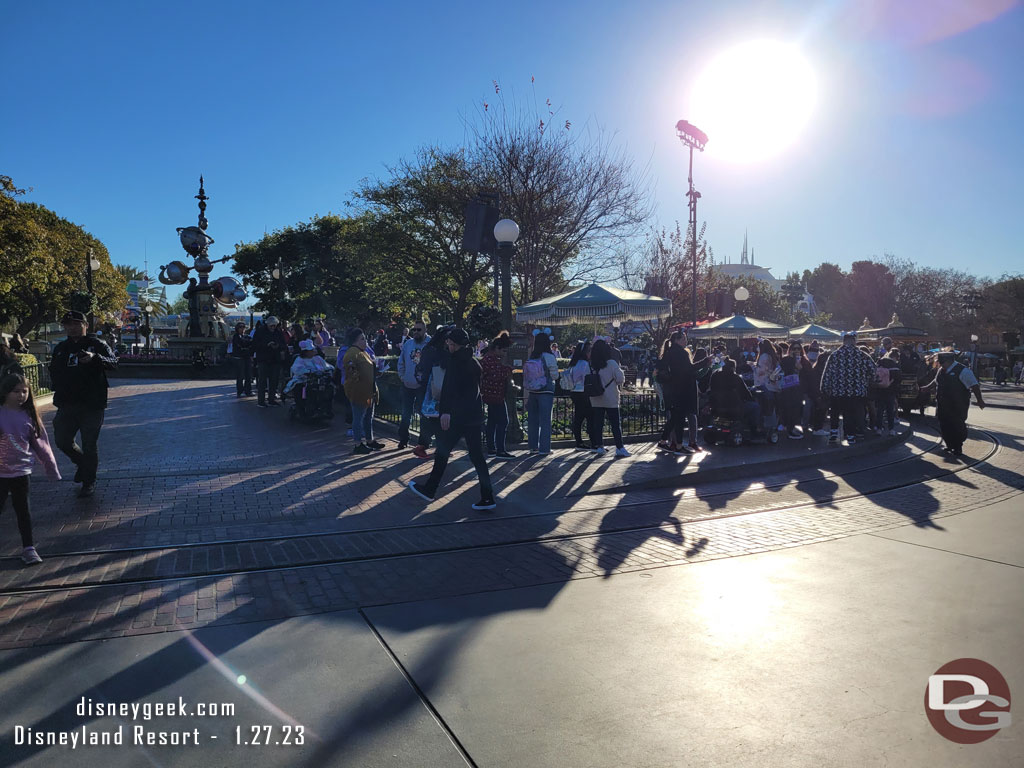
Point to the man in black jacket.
(461, 415)
(271, 348)
(78, 372)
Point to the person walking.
(460, 410)
(240, 350)
(845, 380)
(78, 370)
(887, 390)
(270, 346)
(495, 379)
(430, 370)
(22, 437)
(539, 374)
(413, 388)
(361, 389)
(609, 379)
(574, 377)
(954, 382)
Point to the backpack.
(535, 375)
(882, 380)
(493, 382)
(592, 386)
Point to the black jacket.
(241, 345)
(460, 393)
(728, 392)
(261, 344)
(77, 382)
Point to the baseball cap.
(73, 316)
(306, 345)
(459, 336)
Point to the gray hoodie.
(407, 361)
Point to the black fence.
(641, 412)
(38, 377)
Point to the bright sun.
(753, 100)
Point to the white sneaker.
(29, 556)
(622, 453)
(601, 451)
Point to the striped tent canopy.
(595, 303)
(738, 327)
(812, 331)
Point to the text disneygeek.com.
(94, 735)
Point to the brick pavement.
(585, 538)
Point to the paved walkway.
(164, 558)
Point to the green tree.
(179, 306)
(868, 291)
(43, 262)
(332, 266)
(418, 217)
(763, 303)
(825, 283)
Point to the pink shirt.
(18, 443)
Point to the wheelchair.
(313, 398)
(727, 425)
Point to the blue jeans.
(538, 420)
(362, 422)
(412, 400)
(497, 426)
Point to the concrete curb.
(822, 460)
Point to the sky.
(912, 147)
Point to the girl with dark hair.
(22, 435)
(611, 378)
(539, 375)
(768, 381)
(582, 411)
(495, 377)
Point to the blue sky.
(113, 109)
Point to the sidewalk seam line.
(424, 700)
(947, 551)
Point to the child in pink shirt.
(22, 437)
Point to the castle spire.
(743, 255)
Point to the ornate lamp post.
(694, 138)
(91, 263)
(740, 294)
(225, 290)
(506, 232)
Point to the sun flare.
(753, 100)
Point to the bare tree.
(575, 196)
(663, 267)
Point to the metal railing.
(38, 377)
(641, 414)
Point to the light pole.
(740, 294)
(616, 324)
(974, 354)
(91, 263)
(972, 303)
(506, 232)
(694, 138)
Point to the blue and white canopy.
(592, 304)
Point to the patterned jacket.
(848, 373)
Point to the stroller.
(724, 422)
(314, 398)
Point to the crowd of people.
(462, 392)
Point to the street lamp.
(91, 263)
(616, 324)
(741, 294)
(974, 356)
(694, 138)
(506, 232)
